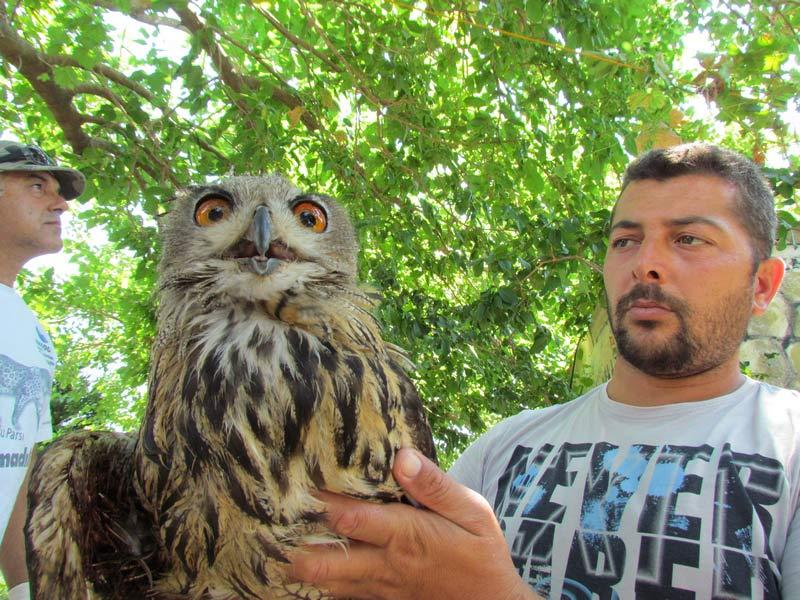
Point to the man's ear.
(767, 281)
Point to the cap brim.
(71, 182)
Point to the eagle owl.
(269, 380)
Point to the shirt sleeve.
(45, 431)
(468, 468)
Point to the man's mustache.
(652, 293)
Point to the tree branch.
(229, 74)
(31, 64)
(209, 148)
(140, 15)
(296, 41)
(105, 123)
(357, 75)
(222, 64)
(96, 90)
(38, 70)
(558, 259)
(787, 23)
(100, 69)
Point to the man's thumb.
(421, 478)
(436, 490)
(407, 464)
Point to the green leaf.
(508, 296)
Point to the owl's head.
(254, 238)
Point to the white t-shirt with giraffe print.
(27, 363)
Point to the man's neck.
(10, 265)
(631, 386)
(8, 276)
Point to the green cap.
(15, 156)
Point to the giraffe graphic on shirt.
(27, 385)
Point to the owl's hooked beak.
(258, 250)
(262, 226)
(262, 234)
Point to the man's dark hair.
(755, 203)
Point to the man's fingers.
(314, 564)
(334, 568)
(399, 552)
(377, 524)
(433, 488)
(361, 520)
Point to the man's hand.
(453, 550)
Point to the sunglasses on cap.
(15, 156)
(29, 153)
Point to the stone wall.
(771, 350)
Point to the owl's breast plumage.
(262, 413)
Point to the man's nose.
(59, 204)
(650, 264)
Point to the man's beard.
(701, 342)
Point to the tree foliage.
(477, 144)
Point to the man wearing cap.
(33, 195)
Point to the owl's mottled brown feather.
(269, 380)
(85, 523)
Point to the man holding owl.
(33, 195)
(677, 478)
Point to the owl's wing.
(85, 528)
(414, 418)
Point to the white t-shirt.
(599, 499)
(27, 362)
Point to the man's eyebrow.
(680, 222)
(626, 225)
(694, 220)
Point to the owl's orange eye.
(212, 210)
(311, 215)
